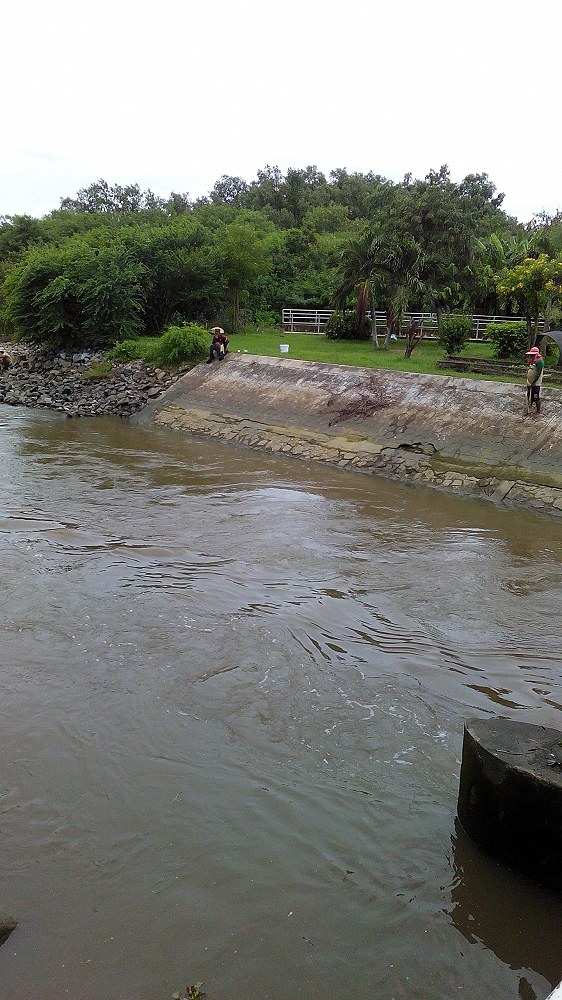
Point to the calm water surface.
(233, 690)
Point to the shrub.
(265, 317)
(178, 345)
(454, 331)
(126, 350)
(75, 295)
(509, 339)
(343, 326)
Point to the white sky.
(174, 93)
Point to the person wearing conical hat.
(535, 373)
(219, 344)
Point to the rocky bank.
(77, 383)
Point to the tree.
(359, 267)
(286, 199)
(300, 272)
(100, 197)
(327, 219)
(76, 295)
(536, 284)
(17, 232)
(178, 204)
(30, 311)
(110, 288)
(403, 271)
(411, 243)
(548, 239)
(363, 195)
(243, 260)
(182, 272)
(379, 265)
(495, 253)
(265, 192)
(444, 219)
(229, 191)
(294, 194)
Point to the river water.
(233, 693)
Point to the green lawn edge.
(362, 354)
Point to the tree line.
(114, 262)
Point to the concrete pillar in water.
(510, 795)
(7, 925)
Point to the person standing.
(535, 373)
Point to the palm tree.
(372, 266)
(357, 269)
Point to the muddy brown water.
(233, 691)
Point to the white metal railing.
(314, 321)
(295, 319)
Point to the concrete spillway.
(462, 434)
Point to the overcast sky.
(174, 93)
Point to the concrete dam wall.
(451, 433)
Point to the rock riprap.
(80, 383)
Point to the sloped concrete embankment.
(463, 435)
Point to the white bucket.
(283, 348)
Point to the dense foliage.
(177, 346)
(180, 344)
(509, 340)
(454, 332)
(536, 285)
(343, 326)
(116, 262)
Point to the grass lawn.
(316, 347)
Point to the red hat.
(534, 351)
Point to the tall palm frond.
(373, 263)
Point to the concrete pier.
(510, 795)
(7, 925)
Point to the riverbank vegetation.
(114, 263)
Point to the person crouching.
(219, 344)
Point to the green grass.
(314, 347)
(97, 370)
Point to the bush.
(264, 317)
(509, 339)
(179, 345)
(126, 350)
(454, 331)
(343, 326)
(74, 296)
